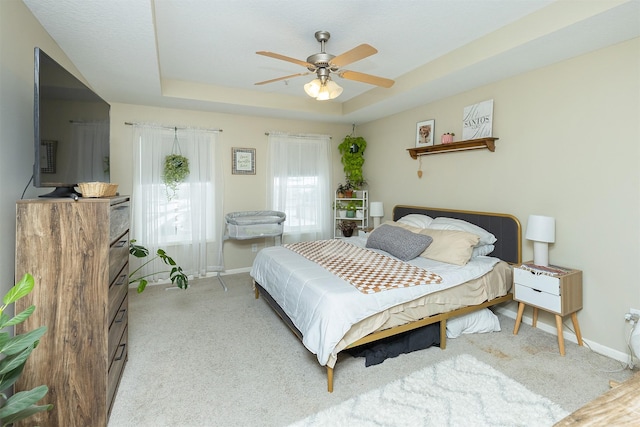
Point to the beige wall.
(242, 192)
(569, 148)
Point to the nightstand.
(559, 294)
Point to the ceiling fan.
(323, 64)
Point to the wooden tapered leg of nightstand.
(518, 318)
(534, 322)
(560, 336)
(576, 326)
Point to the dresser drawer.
(118, 256)
(117, 292)
(119, 222)
(538, 298)
(117, 327)
(540, 282)
(116, 368)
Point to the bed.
(329, 315)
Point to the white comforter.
(324, 307)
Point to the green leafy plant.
(14, 352)
(352, 150)
(176, 274)
(176, 169)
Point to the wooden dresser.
(77, 252)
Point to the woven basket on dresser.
(98, 189)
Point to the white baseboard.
(210, 274)
(568, 335)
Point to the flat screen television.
(71, 130)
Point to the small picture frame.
(425, 132)
(244, 161)
(48, 156)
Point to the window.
(188, 225)
(299, 184)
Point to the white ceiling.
(200, 54)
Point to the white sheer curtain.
(90, 156)
(189, 226)
(299, 184)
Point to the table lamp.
(377, 212)
(542, 231)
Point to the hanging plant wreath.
(176, 169)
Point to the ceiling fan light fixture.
(322, 92)
(313, 88)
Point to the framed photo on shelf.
(244, 161)
(424, 133)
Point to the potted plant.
(14, 352)
(352, 150)
(176, 169)
(341, 211)
(347, 227)
(176, 274)
(344, 190)
(351, 209)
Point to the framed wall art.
(477, 120)
(424, 133)
(244, 161)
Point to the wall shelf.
(470, 144)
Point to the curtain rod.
(302, 135)
(171, 128)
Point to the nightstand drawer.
(538, 298)
(540, 282)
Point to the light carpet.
(460, 391)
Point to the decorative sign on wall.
(477, 120)
(244, 161)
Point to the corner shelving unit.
(361, 216)
(470, 144)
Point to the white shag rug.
(461, 391)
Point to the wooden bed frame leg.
(256, 291)
(329, 379)
(443, 334)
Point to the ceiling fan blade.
(366, 78)
(286, 58)
(353, 55)
(281, 78)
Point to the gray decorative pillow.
(400, 243)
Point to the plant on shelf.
(14, 352)
(351, 208)
(344, 190)
(347, 227)
(352, 150)
(176, 274)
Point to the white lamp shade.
(377, 209)
(541, 229)
(313, 88)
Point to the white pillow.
(416, 220)
(482, 250)
(480, 321)
(442, 223)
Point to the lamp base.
(376, 222)
(541, 253)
